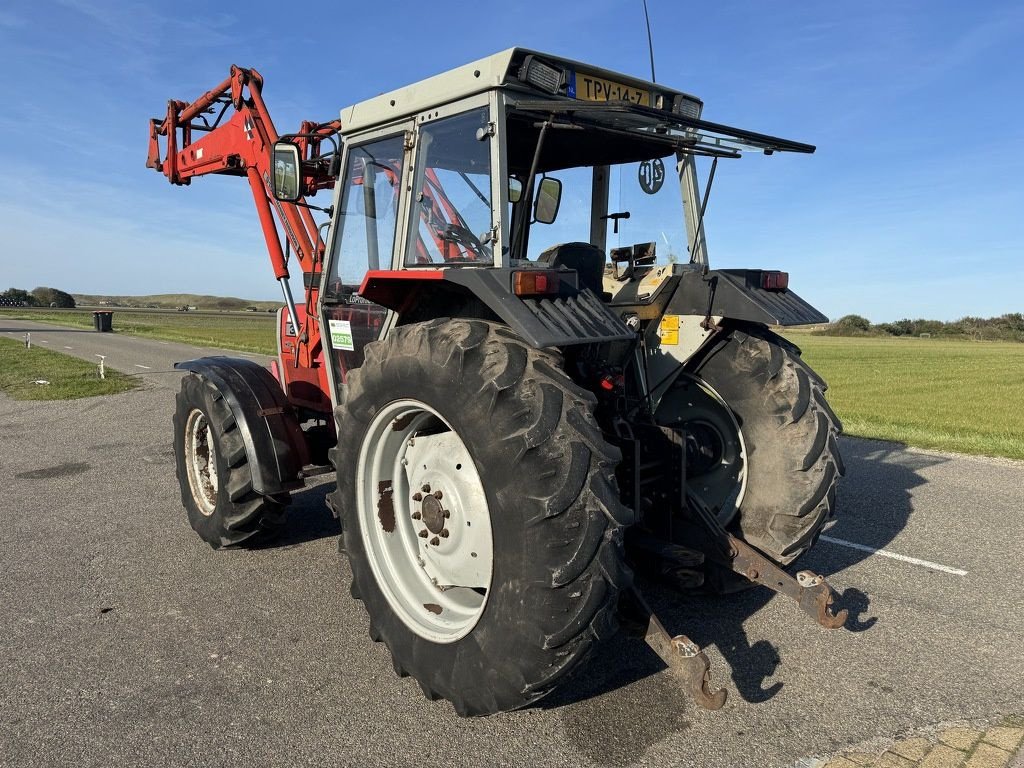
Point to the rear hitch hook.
(816, 599)
(681, 655)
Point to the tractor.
(510, 349)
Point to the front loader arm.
(242, 145)
(228, 131)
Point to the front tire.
(526, 482)
(213, 470)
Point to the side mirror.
(549, 197)
(286, 176)
(515, 190)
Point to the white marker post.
(103, 373)
(28, 341)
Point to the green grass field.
(68, 377)
(957, 396)
(246, 332)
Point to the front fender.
(275, 444)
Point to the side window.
(451, 213)
(369, 214)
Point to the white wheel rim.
(201, 462)
(416, 476)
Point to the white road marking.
(143, 366)
(163, 342)
(66, 347)
(895, 556)
(44, 341)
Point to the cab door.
(369, 207)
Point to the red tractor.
(529, 387)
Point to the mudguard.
(737, 294)
(575, 316)
(275, 444)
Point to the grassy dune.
(958, 396)
(175, 300)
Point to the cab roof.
(519, 69)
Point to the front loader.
(515, 357)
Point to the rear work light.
(775, 281)
(534, 282)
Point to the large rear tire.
(480, 512)
(213, 470)
(780, 457)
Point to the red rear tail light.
(533, 282)
(775, 281)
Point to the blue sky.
(912, 206)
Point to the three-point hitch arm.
(242, 145)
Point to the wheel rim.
(201, 462)
(424, 521)
(716, 456)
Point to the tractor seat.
(588, 261)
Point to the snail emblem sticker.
(651, 175)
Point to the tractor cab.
(560, 176)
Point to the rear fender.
(736, 294)
(571, 317)
(697, 307)
(275, 444)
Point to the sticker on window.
(341, 334)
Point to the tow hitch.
(685, 658)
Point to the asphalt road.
(127, 641)
(130, 354)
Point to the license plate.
(591, 88)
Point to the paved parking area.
(127, 641)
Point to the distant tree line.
(37, 297)
(1009, 327)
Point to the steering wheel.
(463, 237)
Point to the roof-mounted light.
(542, 75)
(686, 107)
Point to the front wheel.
(480, 514)
(213, 470)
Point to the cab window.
(369, 214)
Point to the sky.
(912, 206)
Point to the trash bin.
(103, 321)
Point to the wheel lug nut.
(447, 513)
(438, 494)
(416, 515)
(444, 533)
(417, 497)
(435, 541)
(426, 487)
(423, 533)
